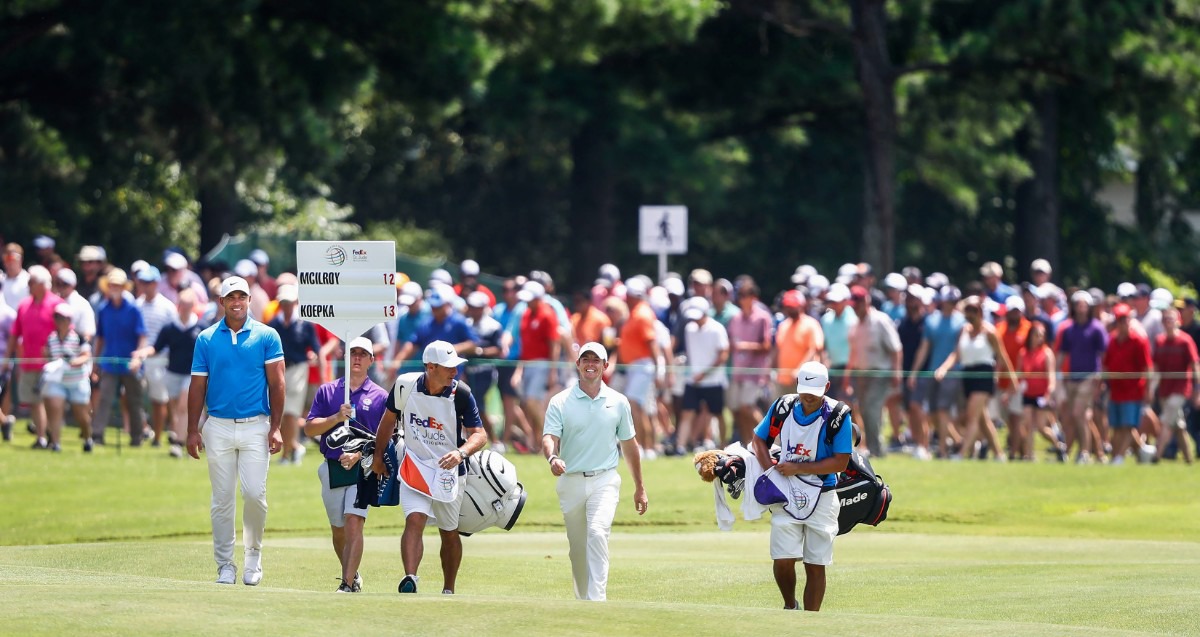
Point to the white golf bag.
(491, 494)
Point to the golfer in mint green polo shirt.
(584, 426)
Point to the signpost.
(662, 230)
(347, 287)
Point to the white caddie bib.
(798, 443)
(430, 432)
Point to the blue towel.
(372, 492)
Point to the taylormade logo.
(858, 498)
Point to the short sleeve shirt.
(369, 400)
(843, 441)
(235, 364)
(589, 429)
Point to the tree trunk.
(1036, 232)
(217, 195)
(592, 196)
(876, 78)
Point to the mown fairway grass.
(113, 544)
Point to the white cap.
(443, 354)
(410, 292)
(234, 284)
(1049, 291)
(175, 261)
(245, 268)
(803, 274)
(916, 290)
(477, 299)
(837, 292)
(695, 308)
(288, 293)
(1126, 290)
(937, 280)
(1040, 265)
(635, 288)
(138, 266)
(259, 257)
(848, 270)
(817, 284)
(42, 242)
(990, 306)
(92, 253)
(674, 286)
(40, 274)
(469, 268)
(1082, 295)
(610, 272)
(362, 343)
(594, 348)
(532, 290)
(895, 281)
(1014, 302)
(67, 276)
(1161, 298)
(812, 379)
(440, 276)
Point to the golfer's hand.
(640, 501)
(558, 467)
(275, 441)
(450, 460)
(195, 444)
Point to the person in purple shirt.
(338, 492)
(1081, 342)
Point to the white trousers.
(588, 504)
(237, 453)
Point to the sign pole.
(662, 267)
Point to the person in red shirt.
(1012, 332)
(469, 282)
(1126, 363)
(1178, 367)
(540, 347)
(1036, 364)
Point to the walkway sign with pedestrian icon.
(347, 287)
(662, 230)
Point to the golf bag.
(865, 496)
(492, 496)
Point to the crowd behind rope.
(932, 367)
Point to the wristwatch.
(462, 454)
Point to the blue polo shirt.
(453, 330)
(120, 327)
(238, 389)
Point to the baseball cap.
(837, 293)
(702, 276)
(859, 293)
(410, 292)
(594, 348)
(673, 286)
(937, 280)
(440, 275)
(949, 294)
(697, 307)
(234, 284)
(1126, 290)
(175, 261)
(443, 354)
(67, 276)
(435, 299)
(1161, 298)
(817, 284)
(610, 272)
(1082, 295)
(288, 293)
(848, 270)
(245, 268)
(42, 242)
(469, 268)
(117, 277)
(1014, 302)
(137, 266)
(792, 298)
(477, 299)
(361, 342)
(259, 257)
(532, 290)
(1040, 265)
(895, 281)
(803, 274)
(635, 288)
(92, 253)
(64, 310)
(1121, 310)
(812, 379)
(149, 274)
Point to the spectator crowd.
(932, 367)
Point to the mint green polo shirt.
(589, 430)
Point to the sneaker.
(408, 584)
(29, 427)
(252, 573)
(173, 439)
(357, 584)
(6, 430)
(227, 574)
(344, 588)
(55, 447)
(176, 450)
(156, 443)
(446, 591)
(922, 453)
(40, 443)
(98, 441)
(298, 455)
(1117, 461)
(87, 445)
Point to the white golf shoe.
(227, 574)
(252, 573)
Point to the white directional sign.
(347, 286)
(662, 230)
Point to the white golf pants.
(589, 502)
(237, 452)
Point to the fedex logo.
(802, 453)
(428, 423)
(359, 253)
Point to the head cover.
(1143, 290)
(610, 272)
(895, 281)
(1040, 265)
(1082, 295)
(468, 268)
(149, 274)
(42, 242)
(859, 293)
(594, 348)
(803, 274)
(697, 308)
(245, 268)
(288, 294)
(410, 292)
(1126, 290)
(837, 293)
(1121, 310)
(92, 253)
(137, 266)
(259, 257)
(949, 294)
(67, 277)
(175, 261)
(477, 299)
(793, 298)
(848, 270)
(702, 276)
(117, 277)
(435, 299)
(937, 280)
(440, 276)
(1014, 302)
(635, 288)
(674, 286)
(817, 284)
(442, 353)
(1161, 298)
(234, 284)
(531, 290)
(916, 290)
(64, 310)
(363, 343)
(812, 379)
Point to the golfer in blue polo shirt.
(237, 376)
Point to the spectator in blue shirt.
(119, 331)
(444, 324)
